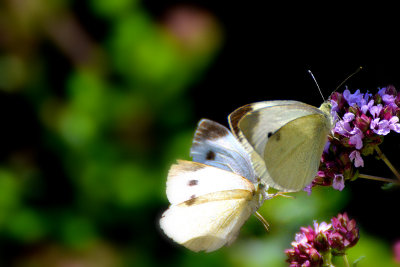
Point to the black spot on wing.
(210, 155)
(276, 135)
(193, 182)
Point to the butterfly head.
(326, 108)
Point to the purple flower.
(375, 110)
(353, 99)
(338, 182)
(382, 91)
(348, 117)
(356, 138)
(388, 99)
(394, 125)
(356, 157)
(380, 127)
(362, 120)
(343, 128)
(383, 127)
(308, 188)
(367, 107)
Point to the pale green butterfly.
(285, 140)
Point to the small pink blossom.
(356, 157)
(338, 182)
(375, 110)
(348, 117)
(322, 227)
(394, 125)
(356, 138)
(367, 107)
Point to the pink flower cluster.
(311, 245)
(361, 122)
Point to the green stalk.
(346, 261)
(388, 163)
(377, 178)
(327, 259)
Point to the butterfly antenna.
(315, 80)
(262, 220)
(348, 77)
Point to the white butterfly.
(285, 140)
(275, 144)
(210, 199)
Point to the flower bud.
(362, 122)
(344, 235)
(321, 242)
(377, 99)
(387, 112)
(391, 90)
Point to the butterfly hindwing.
(215, 145)
(297, 152)
(210, 221)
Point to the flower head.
(344, 233)
(361, 122)
(312, 244)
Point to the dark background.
(57, 205)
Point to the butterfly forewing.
(255, 125)
(188, 180)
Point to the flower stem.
(386, 160)
(327, 259)
(346, 261)
(376, 178)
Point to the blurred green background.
(98, 98)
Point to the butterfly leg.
(262, 220)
